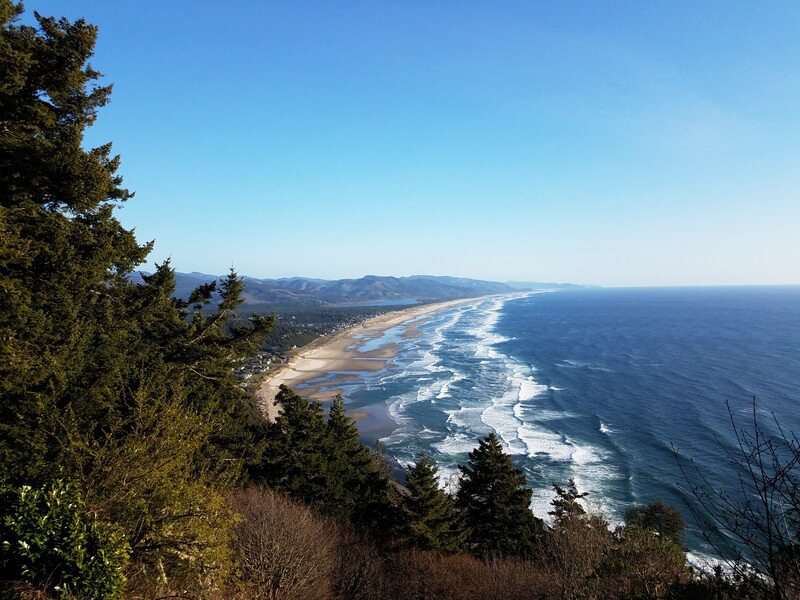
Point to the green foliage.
(349, 461)
(494, 499)
(127, 393)
(153, 484)
(123, 388)
(566, 504)
(429, 518)
(324, 464)
(63, 253)
(714, 586)
(298, 325)
(659, 518)
(294, 459)
(48, 539)
(646, 565)
(361, 488)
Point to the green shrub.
(48, 539)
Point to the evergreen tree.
(124, 389)
(566, 504)
(324, 464)
(347, 451)
(63, 255)
(295, 457)
(429, 518)
(660, 518)
(361, 490)
(495, 499)
(349, 463)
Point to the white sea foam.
(583, 455)
(484, 332)
(466, 417)
(449, 478)
(501, 419)
(429, 362)
(704, 563)
(456, 443)
(540, 441)
(528, 389)
(426, 367)
(437, 335)
(396, 405)
(518, 412)
(444, 391)
(587, 465)
(593, 472)
(506, 413)
(541, 503)
(428, 433)
(505, 398)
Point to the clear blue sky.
(614, 143)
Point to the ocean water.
(596, 385)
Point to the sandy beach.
(337, 359)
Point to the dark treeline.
(133, 465)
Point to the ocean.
(609, 387)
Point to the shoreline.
(337, 358)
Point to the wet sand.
(326, 363)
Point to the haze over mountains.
(371, 289)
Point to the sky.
(610, 143)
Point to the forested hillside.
(133, 466)
(372, 289)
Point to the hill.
(368, 290)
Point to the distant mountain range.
(372, 289)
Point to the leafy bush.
(644, 565)
(48, 539)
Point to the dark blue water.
(598, 385)
(656, 368)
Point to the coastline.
(338, 358)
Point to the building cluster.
(292, 331)
(255, 365)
